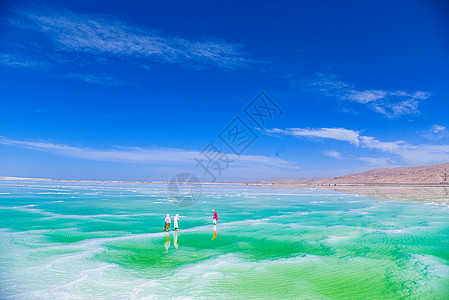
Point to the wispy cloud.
(373, 143)
(108, 36)
(102, 79)
(388, 103)
(19, 61)
(412, 154)
(436, 132)
(333, 153)
(378, 162)
(437, 128)
(340, 134)
(140, 155)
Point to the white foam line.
(82, 276)
(69, 256)
(55, 215)
(49, 193)
(25, 208)
(44, 188)
(199, 276)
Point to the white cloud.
(19, 61)
(378, 162)
(333, 153)
(328, 84)
(372, 143)
(437, 128)
(412, 154)
(365, 96)
(436, 132)
(108, 36)
(388, 103)
(102, 79)
(340, 134)
(144, 155)
(423, 154)
(375, 162)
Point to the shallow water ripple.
(103, 240)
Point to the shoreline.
(275, 185)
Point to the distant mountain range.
(421, 175)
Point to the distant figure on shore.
(167, 242)
(214, 232)
(167, 222)
(214, 217)
(175, 222)
(175, 240)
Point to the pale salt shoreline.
(428, 193)
(257, 183)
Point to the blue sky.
(138, 89)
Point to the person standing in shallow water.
(175, 222)
(214, 217)
(167, 222)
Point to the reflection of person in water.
(215, 231)
(167, 242)
(175, 240)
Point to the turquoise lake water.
(68, 240)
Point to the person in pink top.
(214, 217)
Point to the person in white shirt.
(175, 220)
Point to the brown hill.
(426, 175)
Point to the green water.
(106, 241)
